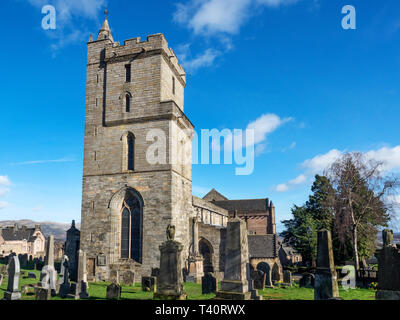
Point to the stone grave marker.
(13, 292)
(208, 283)
(149, 284)
(113, 291)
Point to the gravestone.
(128, 278)
(388, 269)
(170, 279)
(235, 285)
(259, 280)
(48, 274)
(325, 286)
(149, 284)
(287, 278)
(307, 281)
(113, 291)
(82, 284)
(155, 272)
(65, 286)
(12, 292)
(72, 246)
(268, 279)
(114, 276)
(208, 283)
(42, 293)
(1, 279)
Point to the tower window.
(131, 151)
(127, 103)
(131, 228)
(128, 73)
(173, 85)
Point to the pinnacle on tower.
(105, 31)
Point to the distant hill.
(57, 229)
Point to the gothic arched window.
(131, 151)
(131, 228)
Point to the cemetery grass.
(97, 291)
(296, 293)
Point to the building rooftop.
(263, 246)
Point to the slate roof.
(263, 246)
(214, 195)
(17, 234)
(251, 205)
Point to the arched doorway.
(206, 250)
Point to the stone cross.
(326, 286)
(12, 292)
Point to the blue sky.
(330, 90)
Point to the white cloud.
(4, 181)
(283, 187)
(204, 59)
(261, 127)
(3, 204)
(4, 191)
(321, 162)
(220, 18)
(390, 157)
(71, 16)
(24, 163)
(289, 147)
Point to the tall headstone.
(48, 274)
(326, 286)
(388, 269)
(170, 279)
(195, 260)
(113, 291)
(235, 285)
(259, 280)
(72, 246)
(287, 278)
(13, 292)
(65, 285)
(268, 279)
(82, 284)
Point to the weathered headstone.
(235, 285)
(307, 280)
(149, 284)
(114, 276)
(48, 274)
(72, 246)
(128, 278)
(268, 279)
(82, 284)
(259, 280)
(42, 293)
(155, 272)
(325, 286)
(170, 279)
(113, 291)
(208, 283)
(287, 278)
(388, 269)
(65, 286)
(12, 292)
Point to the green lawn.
(97, 291)
(296, 293)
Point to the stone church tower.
(134, 113)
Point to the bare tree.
(362, 197)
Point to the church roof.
(16, 234)
(250, 205)
(214, 195)
(262, 246)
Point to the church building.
(133, 91)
